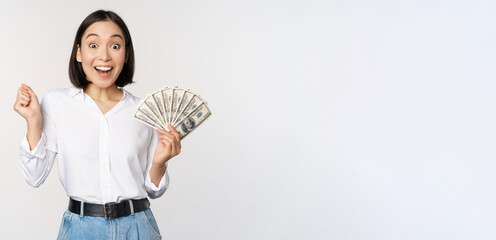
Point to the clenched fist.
(27, 104)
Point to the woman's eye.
(93, 45)
(115, 46)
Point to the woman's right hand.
(27, 104)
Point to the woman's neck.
(111, 93)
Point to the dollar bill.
(145, 109)
(152, 106)
(177, 95)
(182, 105)
(190, 107)
(193, 120)
(167, 99)
(157, 97)
(142, 117)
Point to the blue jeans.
(141, 225)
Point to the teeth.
(103, 68)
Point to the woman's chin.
(102, 83)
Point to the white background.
(331, 119)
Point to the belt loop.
(81, 213)
(131, 206)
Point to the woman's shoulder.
(63, 92)
(131, 96)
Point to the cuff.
(164, 182)
(38, 152)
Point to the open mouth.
(103, 71)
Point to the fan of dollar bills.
(180, 107)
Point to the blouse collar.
(75, 92)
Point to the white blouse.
(101, 157)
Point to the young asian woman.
(108, 163)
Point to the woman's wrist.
(33, 134)
(34, 122)
(157, 171)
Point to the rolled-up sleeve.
(153, 190)
(38, 162)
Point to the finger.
(168, 144)
(165, 133)
(30, 91)
(24, 94)
(172, 141)
(177, 148)
(28, 98)
(23, 102)
(177, 144)
(175, 133)
(175, 139)
(162, 131)
(17, 106)
(21, 89)
(167, 140)
(169, 137)
(169, 148)
(25, 87)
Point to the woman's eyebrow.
(96, 35)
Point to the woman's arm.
(28, 106)
(167, 148)
(162, 149)
(157, 173)
(34, 132)
(36, 157)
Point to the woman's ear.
(78, 54)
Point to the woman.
(108, 162)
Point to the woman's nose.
(104, 54)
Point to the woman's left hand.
(168, 147)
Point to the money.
(179, 107)
(166, 98)
(177, 95)
(184, 101)
(142, 117)
(152, 106)
(157, 97)
(190, 122)
(192, 105)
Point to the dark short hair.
(76, 73)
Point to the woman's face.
(102, 53)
